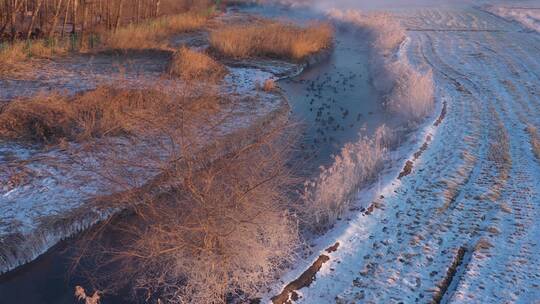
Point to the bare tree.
(118, 15)
(35, 13)
(57, 10)
(88, 16)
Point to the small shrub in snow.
(413, 93)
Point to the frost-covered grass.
(327, 197)
(413, 92)
(406, 90)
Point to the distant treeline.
(33, 19)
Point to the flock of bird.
(330, 110)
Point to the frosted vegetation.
(407, 92)
(331, 194)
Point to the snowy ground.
(527, 15)
(463, 226)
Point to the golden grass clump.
(271, 39)
(16, 53)
(105, 111)
(12, 53)
(151, 35)
(192, 65)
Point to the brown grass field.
(106, 111)
(271, 39)
(153, 34)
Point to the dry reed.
(271, 39)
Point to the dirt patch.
(409, 165)
(333, 248)
(406, 170)
(441, 116)
(423, 148)
(450, 274)
(304, 280)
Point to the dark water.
(46, 280)
(335, 100)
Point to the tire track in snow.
(517, 266)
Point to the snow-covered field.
(527, 16)
(463, 226)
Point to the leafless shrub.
(505, 208)
(413, 92)
(483, 244)
(191, 65)
(268, 85)
(81, 295)
(268, 38)
(493, 230)
(204, 231)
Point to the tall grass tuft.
(191, 65)
(16, 53)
